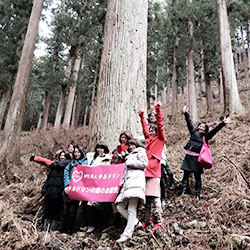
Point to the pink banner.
(96, 183)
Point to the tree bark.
(209, 95)
(122, 80)
(46, 109)
(248, 49)
(190, 72)
(85, 116)
(14, 121)
(72, 89)
(221, 91)
(174, 84)
(5, 97)
(231, 87)
(60, 107)
(78, 110)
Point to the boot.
(171, 180)
(197, 186)
(54, 225)
(171, 184)
(185, 184)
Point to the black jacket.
(53, 186)
(196, 140)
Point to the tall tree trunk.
(60, 107)
(122, 80)
(46, 109)
(242, 43)
(5, 97)
(40, 117)
(248, 50)
(190, 72)
(209, 95)
(14, 121)
(73, 124)
(174, 84)
(85, 116)
(231, 87)
(72, 89)
(78, 110)
(221, 90)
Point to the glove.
(32, 157)
(157, 107)
(141, 113)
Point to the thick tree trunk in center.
(122, 80)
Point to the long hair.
(81, 150)
(102, 145)
(127, 133)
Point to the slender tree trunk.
(221, 90)
(248, 50)
(14, 121)
(40, 117)
(78, 110)
(85, 116)
(174, 84)
(209, 95)
(242, 43)
(5, 97)
(72, 89)
(73, 124)
(46, 109)
(60, 107)
(122, 80)
(231, 87)
(190, 72)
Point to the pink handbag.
(205, 158)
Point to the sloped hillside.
(220, 220)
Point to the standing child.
(193, 147)
(154, 143)
(133, 188)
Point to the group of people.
(144, 179)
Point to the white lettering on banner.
(98, 190)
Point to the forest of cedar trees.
(79, 70)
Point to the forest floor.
(220, 220)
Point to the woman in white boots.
(133, 187)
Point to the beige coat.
(133, 183)
(105, 159)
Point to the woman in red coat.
(154, 142)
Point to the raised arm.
(144, 124)
(213, 131)
(189, 122)
(159, 122)
(41, 160)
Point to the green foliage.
(13, 25)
